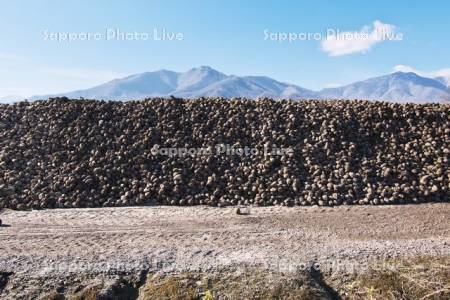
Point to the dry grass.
(53, 295)
(248, 284)
(170, 288)
(259, 284)
(419, 278)
(88, 293)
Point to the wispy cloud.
(332, 85)
(339, 43)
(39, 78)
(83, 74)
(13, 91)
(72, 73)
(10, 57)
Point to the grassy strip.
(418, 278)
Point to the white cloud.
(339, 43)
(405, 69)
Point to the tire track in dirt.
(207, 237)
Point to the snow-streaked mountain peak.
(206, 81)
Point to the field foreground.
(165, 250)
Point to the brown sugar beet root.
(82, 153)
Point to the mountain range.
(205, 81)
(396, 87)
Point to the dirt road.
(54, 242)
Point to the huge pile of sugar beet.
(82, 153)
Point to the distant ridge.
(196, 82)
(398, 87)
(205, 81)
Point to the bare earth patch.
(174, 240)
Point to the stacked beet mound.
(79, 153)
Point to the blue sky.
(226, 35)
